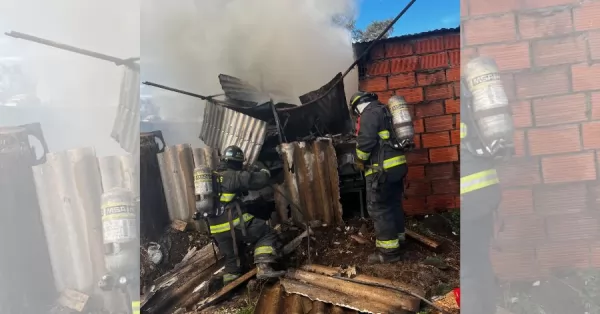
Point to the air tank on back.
(490, 107)
(204, 189)
(401, 122)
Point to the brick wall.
(549, 54)
(424, 68)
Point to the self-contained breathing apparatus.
(487, 126)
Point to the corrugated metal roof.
(126, 125)
(435, 32)
(223, 127)
(311, 182)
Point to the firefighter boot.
(266, 271)
(384, 258)
(228, 278)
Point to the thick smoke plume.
(84, 91)
(285, 47)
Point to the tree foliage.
(369, 33)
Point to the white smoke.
(288, 46)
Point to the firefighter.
(233, 181)
(385, 169)
(480, 196)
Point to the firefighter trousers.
(264, 239)
(478, 281)
(384, 205)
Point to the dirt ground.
(435, 272)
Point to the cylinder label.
(119, 223)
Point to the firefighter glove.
(360, 165)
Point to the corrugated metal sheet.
(127, 121)
(237, 89)
(311, 181)
(223, 127)
(273, 300)
(69, 187)
(177, 173)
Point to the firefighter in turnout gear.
(232, 226)
(482, 97)
(385, 169)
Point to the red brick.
(434, 108)
(434, 61)
(452, 41)
(439, 171)
(440, 202)
(516, 202)
(444, 154)
(452, 105)
(419, 126)
(436, 77)
(411, 95)
(416, 173)
(577, 226)
(415, 206)
(508, 57)
(418, 188)
(595, 106)
(466, 54)
(569, 168)
(555, 51)
(561, 199)
(595, 256)
(378, 52)
(417, 141)
(591, 135)
(455, 137)
(508, 82)
(440, 123)
(561, 254)
(464, 8)
(398, 49)
(439, 92)
(515, 264)
(384, 96)
(554, 140)
(454, 56)
(522, 230)
(537, 25)
(547, 81)
(594, 45)
(401, 65)
(453, 75)
(490, 30)
(519, 173)
(519, 141)
(429, 45)
(438, 139)
(374, 84)
(560, 109)
(521, 112)
(456, 88)
(402, 80)
(585, 77)
(417, 157)
(449, 186)
(378, 68)
(482, 7)
(586, 16)
(537, 4)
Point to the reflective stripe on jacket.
(478, 180)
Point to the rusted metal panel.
(127, 121)
(177, 173)
(311, 182)
(223, 127)
(274, 300)
(69, 187)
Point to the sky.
(423, 15)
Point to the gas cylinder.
(402, 124)
(489, 106)
(119, 230)
(204, 189)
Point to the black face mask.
(233, 165)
